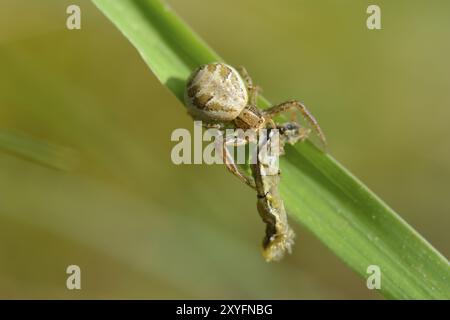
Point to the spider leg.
(253, 90)
(245, 75)
(270, 123)
(228, 159)
(289, 105)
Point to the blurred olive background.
(107, 197)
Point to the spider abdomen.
(216, 92)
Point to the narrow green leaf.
(347, 217)
(38, 151)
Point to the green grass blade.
(347, 217)
(42, 152)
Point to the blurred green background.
(88, 179)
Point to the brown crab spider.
(219, 96)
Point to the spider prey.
(279, 236)
(221, 97)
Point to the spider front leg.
(228, 160)
(289, 105)
(253, 90)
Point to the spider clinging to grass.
(220, 96)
